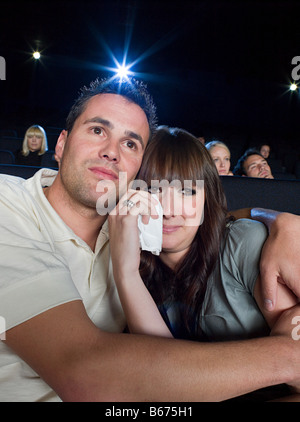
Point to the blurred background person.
(253, 164)
(265, 149)
(35, 144)
(221, 156)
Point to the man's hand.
(280, 261)
(286, 325)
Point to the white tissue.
(151, 234)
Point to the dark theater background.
(220, 69)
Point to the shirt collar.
(60, 230)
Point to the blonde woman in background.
(221, 156)
(34, 146)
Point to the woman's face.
(221, 158)
(34, 142)
(182, 215)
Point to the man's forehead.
(110, 103)
(110, 100)
(254, 159)
(108, 108)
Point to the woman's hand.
(123, 230)
(140, 310)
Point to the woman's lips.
(170, 229)
(104, 173)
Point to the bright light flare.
(36, 55)
(293, 87)
(122, 71)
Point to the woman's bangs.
(34, 132)
(171, 165)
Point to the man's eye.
(131, 144)
(97, 130)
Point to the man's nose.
(263, 165)
(110, 151)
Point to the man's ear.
(60, 145)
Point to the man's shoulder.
(17, 193)
(11, 186)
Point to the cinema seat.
(6, 157)
(21, 171)
(249, 192)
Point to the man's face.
(109, 137)
(257, 166)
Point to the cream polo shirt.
(44, 264)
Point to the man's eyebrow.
(108, 124)
(101, 121)
(135, 136)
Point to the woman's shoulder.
(245, 227)
(243, 242)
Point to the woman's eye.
(188, 192)
(154, 189)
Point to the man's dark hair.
(133, 90)
(239, 169)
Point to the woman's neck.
(172, 259)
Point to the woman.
(34, 146)
(205, 282)
(221, 156)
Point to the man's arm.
(280, 255)
(82, 363)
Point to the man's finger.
(269, 290)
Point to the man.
(57, 294)
(253, 164)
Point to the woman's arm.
(142, 314)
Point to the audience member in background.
(201, 139)
(253, 164)
(34, 146)
(265, 149)
(221, 156)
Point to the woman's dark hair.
(175, 154)
(131, 89)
